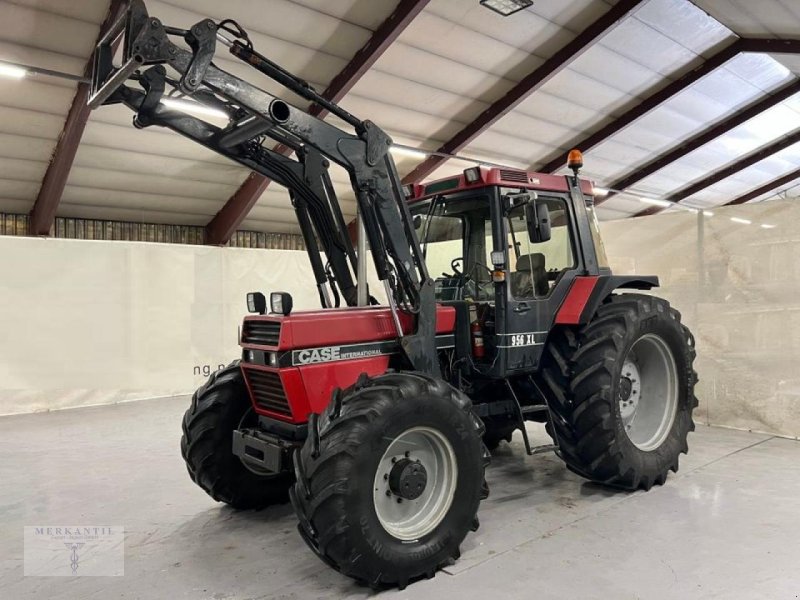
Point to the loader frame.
(147, 51)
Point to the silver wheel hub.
(415, 483)
(630, 390)
(647, 392)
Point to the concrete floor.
(727, 526)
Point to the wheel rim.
(416, 454)
(648, 392)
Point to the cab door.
(538, 278)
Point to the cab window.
(534, 268)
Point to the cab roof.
(495, 176)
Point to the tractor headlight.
(273, 359)
(280, 303)
(256, 303)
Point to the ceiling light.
(708, 213)
(742, 221)
(767, 226)
(656, 202)
(12, 71)
(192, 107)
(410, 152)
(598, 191)
(506, 7)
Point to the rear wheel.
(390, 478)
(218, 408)
(621, 392)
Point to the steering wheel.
(457, 271)
(453, 263)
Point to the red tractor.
(377, 419)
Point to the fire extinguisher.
(478, 351)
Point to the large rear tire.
(621, 392)
(390, 478)
(218, 408)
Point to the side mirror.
(537, 216)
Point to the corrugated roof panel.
(402, 121)
(364, 14)
(91, 11)
(143, 163)
(620, 204)
(379, 86)
(25, 148)
(547, 107)
(684, 23)
(760, 173)
(403, 61)
(642, 46)
(763, 18)
(278, 22)
(30, 123)
(22, 170)
(746, 138)
(150, 183)
(45, 30)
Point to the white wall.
(85, 322)
(738, 288)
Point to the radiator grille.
(262, 333)
(518, 176)
(268, 391)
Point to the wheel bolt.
(399, 500)
(385, 476)
(408, 453)
(394, 459)
(388, 493)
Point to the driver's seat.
(531, 272)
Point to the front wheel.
(621, 392)
(219, 407)
(390, 478)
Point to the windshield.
(456, 239)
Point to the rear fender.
(587, 293)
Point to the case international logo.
(74, 551)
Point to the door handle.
(521, 307)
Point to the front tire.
(621, 392)
(219, 407)
(390, 478)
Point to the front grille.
(262, 333)
(509, 175)
(268, 391)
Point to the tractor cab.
(504, 248)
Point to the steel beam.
(43, 214)
(770, 46)
(701, 139)
(767, 187)
(220, 229)
(527, 86)
(743, 163)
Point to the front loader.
(499, 308)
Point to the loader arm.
(256, 115)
